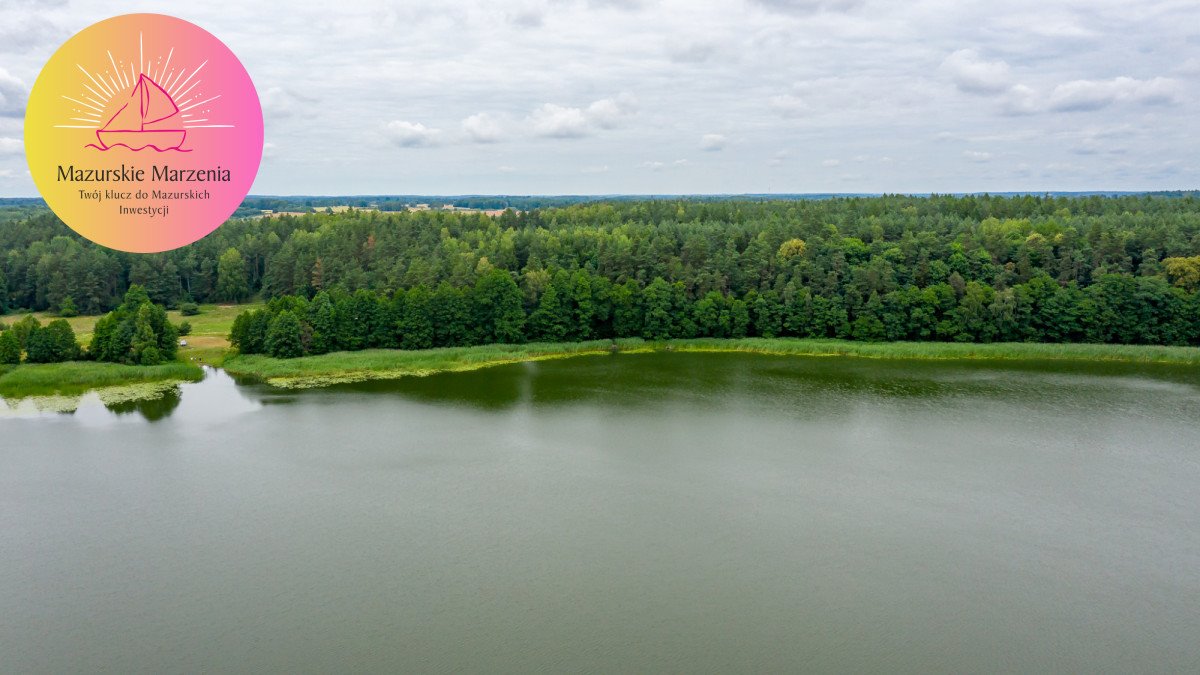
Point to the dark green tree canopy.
(136, 332)
(969, 268)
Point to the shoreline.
(58, 386)
(383, 364)
(54, 386)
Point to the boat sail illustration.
(149, 119)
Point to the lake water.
(627, 513)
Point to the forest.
(1104, 269)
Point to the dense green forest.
(976, 268)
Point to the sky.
(685, 96)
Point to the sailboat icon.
(150, 119)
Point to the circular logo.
(143, 133)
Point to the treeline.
(136, 333)
(936, 261)
(52, 343)
(575, 306)
(303, 204)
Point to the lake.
(625, 513)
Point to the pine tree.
(284, 336)
(549, 322)
(144, 345)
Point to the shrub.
(125, 334)
(53, 344)
(284, 336)
(67, 308)
(189, 309)
(10, 348)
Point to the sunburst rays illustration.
(147, 103)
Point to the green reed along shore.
(386, 364)
(1023, 351)
(378, 364)
(77, 377)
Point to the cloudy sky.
(686, 96)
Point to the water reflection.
(635, 381)
(152, 409)
(638, 382)
(215, 397)
(629, 513)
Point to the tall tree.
(233, 284)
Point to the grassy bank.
(76, 377)
(1023, 351)
(385, 364)
(313, 371)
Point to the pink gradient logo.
(151, 119)
(144, 132)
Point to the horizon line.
(660, 195)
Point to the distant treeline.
(303, 204)
(977, 268)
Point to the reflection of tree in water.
(806, 387)
(152, 409)
(496, 388)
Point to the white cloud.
(11, 146)
(527, 18)
(482, 128)
(607, 113)
(283, 102)
(1190, 68)
(1047, 22)
(24, 33)
(655, 165)
(1020, 100)
(557, 121)
(788, 105)
(504, 168)
(819, 78)
(13, 95)
(974, 75)
(602, 168)
(1090, 95)
(1084, 95)
(411, 134)
(830, 163)
(713, 142)
(270, 151)
(627, 5)
(810, 6)
(977, 156)
(691, 52)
